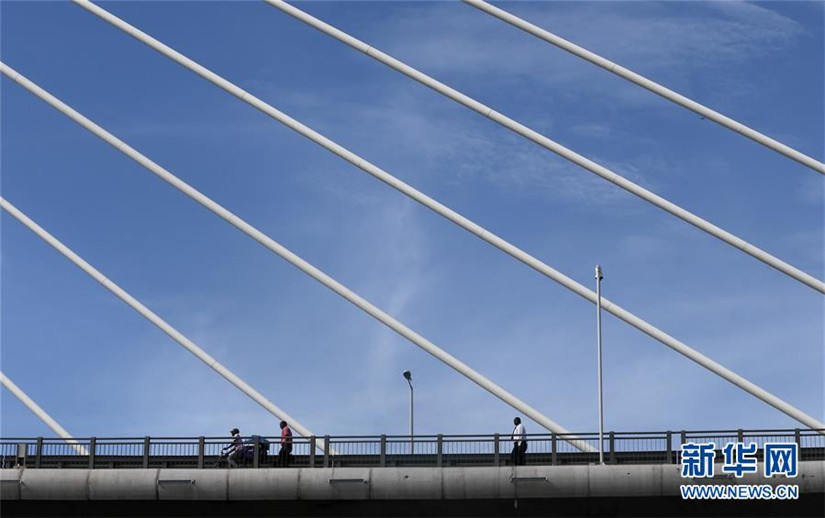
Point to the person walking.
(286, 445)
(519, 437)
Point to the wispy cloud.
(504, 160)
(659, 40)
(593, 129)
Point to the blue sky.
(100, 369)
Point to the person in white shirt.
(519, 437)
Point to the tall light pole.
(408, 376)
(599, 347)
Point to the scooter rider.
(234, 452)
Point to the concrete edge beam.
(329, 484)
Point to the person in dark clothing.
(286, 446)
(519, 437)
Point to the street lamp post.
(408, 376)
(599, 348)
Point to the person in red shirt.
(286, 445)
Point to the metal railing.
(386, 450)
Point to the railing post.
(740, 435)
(612, 441)
(383, 461)
(201, 449)
(682, 438)
(146, 447)
(92, 446)
(312, 445)
(669, 447)
(439, 450)
(496, 445)
(256, 449)
(22, 453)
(326, 451)
(797, 437)
(38, 452)
(553, 449)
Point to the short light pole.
(599, 348)
(408, 376)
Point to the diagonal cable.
(152, 317)
(465, 223)
(483, 109)
(42, 415)
(296, 261)
(649, 85)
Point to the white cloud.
(652, 37)
(592, 129)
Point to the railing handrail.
(433, 437)
(383, 450)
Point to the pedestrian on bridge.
(286, 445)
(519, 437)
(234, 452)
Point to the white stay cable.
(296, 261)
(400, 328)
(647, 84)
(453, 216)
(42, 415)
(155, 319)
(469, 102)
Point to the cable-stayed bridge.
(792, 273)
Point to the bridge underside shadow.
(807, 505)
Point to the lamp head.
(407, 375)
